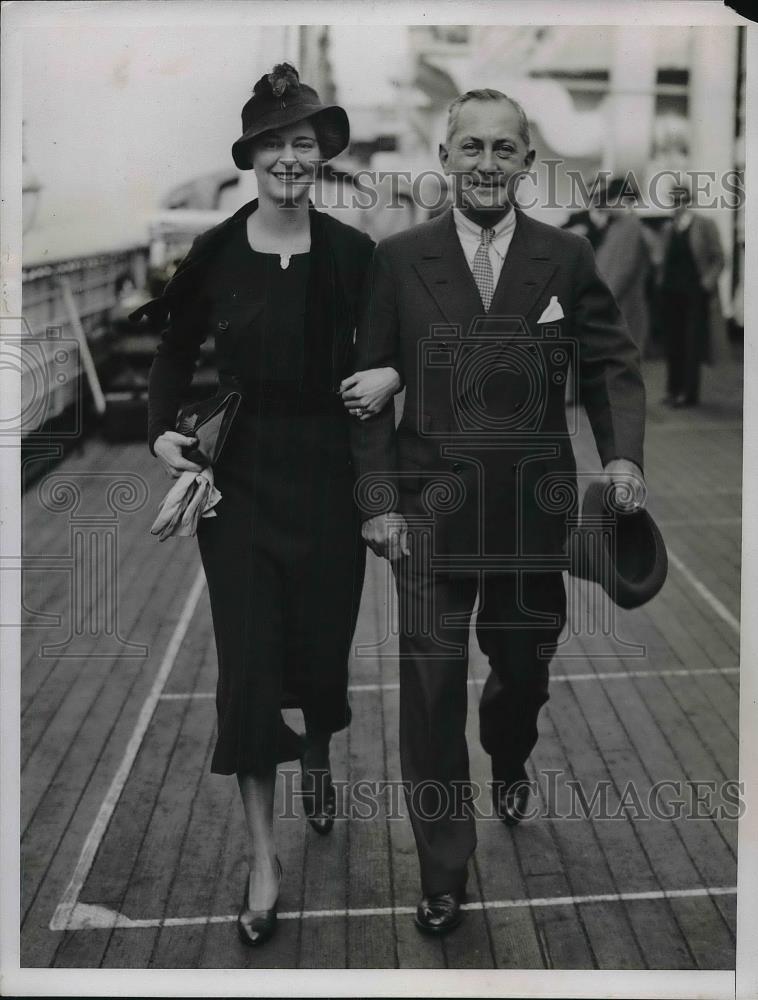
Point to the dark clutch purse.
(209, 421)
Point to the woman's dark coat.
(287, 524)
(188, 313)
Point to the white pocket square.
(553, 312)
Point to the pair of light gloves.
(192, 496)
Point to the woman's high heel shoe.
(319, 799)
(255, 927)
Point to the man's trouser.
(519, 619)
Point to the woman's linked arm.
(366, 393)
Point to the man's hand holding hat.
(629, 484)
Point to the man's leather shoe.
(510, 799)
(440, 912)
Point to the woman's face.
(285, 162)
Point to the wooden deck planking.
(723, 700)
(717, 637)
(623, 729)
(197, 870)
(64, 706)
(370, 941)
(141, 568)
(516, 934)
(157, 866)
(668, 751)
(323, 943)
(618, 840)
(611, 936)
(45, 533)
(414, 950)
(76, 788)
(115, 864)
(715, 569)
(44, 590)
(50, 675)
(664, 854)
(680, 848)
(561, 929)
(471, 947)
(676, 618)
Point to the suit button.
(457, 467)
(223, 324)
(518, 405)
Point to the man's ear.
(443, 155)
(529, 159)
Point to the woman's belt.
(282, 398)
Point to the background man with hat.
(485, 309)
(690, 307)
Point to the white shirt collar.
(683, 221)
(468, 230)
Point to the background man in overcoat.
(690, 309)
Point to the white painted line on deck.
(698, 426)
(476, 681)
(68, 903)
(558, 678)
(629, 674)
(183, 695)
(694, 522)
(86, 916)
(708, 596)
(717, 491)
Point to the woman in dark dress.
(278, 286)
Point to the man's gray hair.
(487, 95)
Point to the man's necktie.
(482, 268)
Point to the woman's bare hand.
(168, 449)
(366, 393)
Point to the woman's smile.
(289, 177)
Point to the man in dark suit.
(484, 311)
(690, 307)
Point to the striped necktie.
(482, 268)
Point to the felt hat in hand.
(623, 551)
(279, 99)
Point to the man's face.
(486, 155)
(680, 200)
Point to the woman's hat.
(279, 99)
(621, 550)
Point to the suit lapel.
(526, 270)
(444, 271)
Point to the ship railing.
(57, 298)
